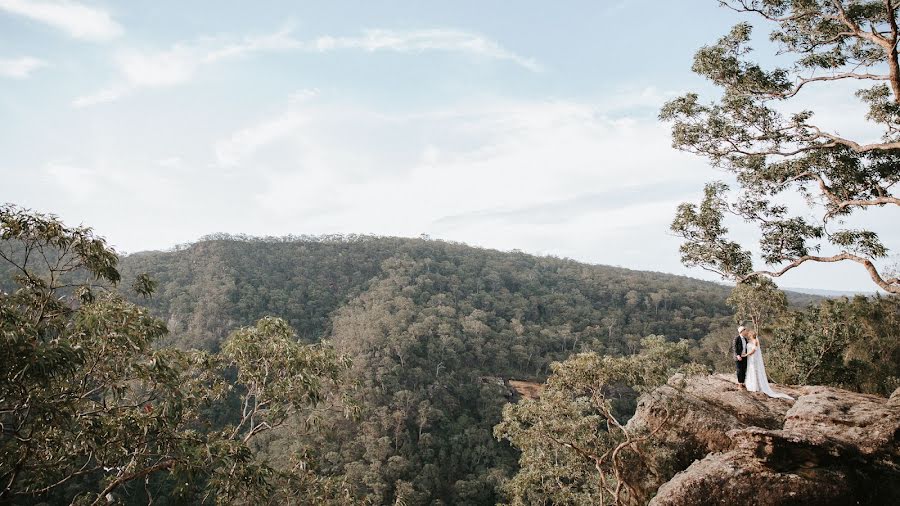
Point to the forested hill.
(212, 286)
(424, 322)
(429, 326)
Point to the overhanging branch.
(889, 285)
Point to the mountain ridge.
(357, 257)
(796, 297)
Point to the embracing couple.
(751, 372)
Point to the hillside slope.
(435, 331)
(210, 287)
(423, 321)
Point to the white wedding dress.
(756, 380)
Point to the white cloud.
(78, 20)
(20, 68)
(110, 94)
(136, 182)
(247, 141)
(279, 41)
(77, 182)
(147, 69)
(559, 177)
(510, 165)
(638, 97)
(179, 63)
(243, 143)
(425, 40)
(157, 68)
(172, 162)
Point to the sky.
(529, 125)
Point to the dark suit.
(740, 365)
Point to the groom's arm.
(738, 349)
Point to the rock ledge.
(722, 445)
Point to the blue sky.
(526, 125)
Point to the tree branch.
(83, 470)
(855, 146)
(857, 30)
(165, 464)
(888, 285)
(778, 19)
(878, 201)
(893, 64)
(803, 81)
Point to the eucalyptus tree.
(575, 446)
(91, 408)
(759, 300)
(774, 154)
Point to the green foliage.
(277, 376)
(774, 155)
(425, 323)
(89, 407)
(208, 289)
(426, 328)
(574, 446)
(716, 349)
(851, 344)
(705, 235)
(758, 300)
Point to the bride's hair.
(752, 333)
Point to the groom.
(740, 363)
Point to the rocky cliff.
(714, 443)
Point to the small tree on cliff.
(575, 446)
(759, 300)
(773, 154)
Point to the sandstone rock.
(515, 389)
(868, 422)
(527, 389)
(721, 445)
(726, 479)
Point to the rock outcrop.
(714, 443)
(526, 389)
(515, 389)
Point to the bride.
(756, 371)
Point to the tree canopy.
(574, 443)
(92, 410)
(381, 384)
(775, 155)
(433, 328)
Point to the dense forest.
(425, 323)
(360, 369)
(434, 330)
(219, 283)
